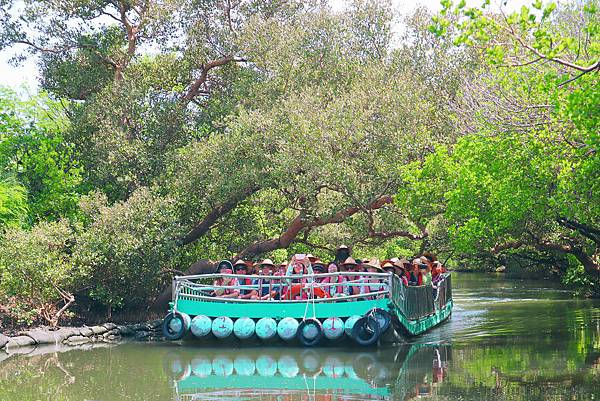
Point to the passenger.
(241, 268)
(312, 258)
(415, 275)
(342, 253)
(425, 273)
(388, 267)
(373, 284)
(296, 285)
(401, 271)
(437, 274)
(283, 268)
(340, 289)
(225, 267)
(265, 285)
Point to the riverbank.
(74, 336)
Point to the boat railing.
(203, 287)
(416, 302)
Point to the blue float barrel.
(333, 328)
(243, 328)
(287, 328)
(266, 365)
(222, 327)
(244, 366)
(201, 367)
(288, 367)
(201, 326)
(333, 367)
(349, 324)
(266, 328)
(222, 366)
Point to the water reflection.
(307, 374)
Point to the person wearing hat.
(400, 270)
(373, 284)
(341, 253)
(265, 285)
(225, 267)
(415, 274)
(240, 267)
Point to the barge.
(387, 310)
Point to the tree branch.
(211, 218)
(194, 89)
(299, 223)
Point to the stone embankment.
(107, 332)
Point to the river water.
(506, 340)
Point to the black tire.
(310, 342)
(383, 317)
(170, 334)
(366, 331)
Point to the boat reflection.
(401, 373)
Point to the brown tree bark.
(300, 223)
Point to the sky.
(23, 77)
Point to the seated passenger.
(340, 289)
(266, 290)
(374, 283)
(241, 268)
(425, 273)
(225, 267)
(401, 271)
(388, 267)
(415, 274)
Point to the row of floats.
(364, 330)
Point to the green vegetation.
(173, 131)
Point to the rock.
(140, 327)
(125, 331)
(86, 332)
(41, 336)
(66, 332)
(501, 269)
(78, 340)
(142, 335)
(3, 340)
(19, 341)
(99, 329)
(110, 326)
(155, 324)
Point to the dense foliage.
(172, 131)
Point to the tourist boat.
(386, 311)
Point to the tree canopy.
(173, 131)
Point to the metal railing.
(416, 302)
(279, 288)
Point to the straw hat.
(349, 261)
(267, 262)
(283, 264)
(240, 263)
(374, 263)
(312, 258)
(388, 265)
(402, 262)
(317, 262)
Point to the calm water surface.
(506, 340)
